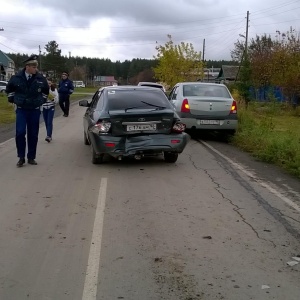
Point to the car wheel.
(170, 157)
(96, 159)
(85, 139)
(230, 132)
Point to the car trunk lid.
(141, 121)
(210, 106)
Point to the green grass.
(271, 133)
(86, 90)
(7, 112)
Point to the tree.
(53, 63)
(177, 63)
(52, 48)
(238, 52)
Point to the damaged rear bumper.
(132, 145)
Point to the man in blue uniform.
(65, 89)
(28, 90)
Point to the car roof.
(200, 83)
(150, 83)
(127, 87)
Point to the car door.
(88, 118)
(173, 95)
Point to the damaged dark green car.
(132, 121)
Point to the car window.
(152, 85)
(173, 93)
(122, 99)
(100, 101)
(205, 90)
(95, 100)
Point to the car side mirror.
(84, 103)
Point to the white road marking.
(91, 278)
(251, 175)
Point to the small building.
(105, 80)
(228, 73)
(7, 67)
(210, 74)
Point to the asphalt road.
(215, 225)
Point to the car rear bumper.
(228, 124)
(131, 145)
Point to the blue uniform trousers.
(27, 119)
(64, 103)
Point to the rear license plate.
(144, 127)
(210, 122)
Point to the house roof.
(4, 59)
(228, 72)
(105, 78)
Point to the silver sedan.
(207, 106)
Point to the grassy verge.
(271, 132)
(7, 112)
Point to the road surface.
(215, 225)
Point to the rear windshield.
(122, 99)
(151, 85)
(205, 90)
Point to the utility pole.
(246, 42)
(203, 50)
(40, 58)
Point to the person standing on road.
(49, 109)
(65, 89)
(28, 90)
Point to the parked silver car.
(207, 106)
(3, 85)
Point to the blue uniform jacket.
(27, 94)
(65, 87)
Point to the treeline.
(52, 63)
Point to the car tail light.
(185, 107)
(175, 141)
(101, 127)
(110, 145)
(178, 127)
(233, 109)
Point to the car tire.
(170, 157)
(85, 139)
(96, 159)
(230, 132)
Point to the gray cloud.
(125, 29)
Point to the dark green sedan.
(132, 121)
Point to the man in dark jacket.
(65, 89)
(28, 90)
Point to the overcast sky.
(127, 29)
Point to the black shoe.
(32, 162)
(65, 115)
(21, 162)
(48, 139)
